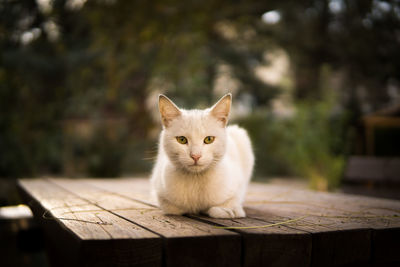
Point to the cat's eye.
(181, 140)
(209, 139)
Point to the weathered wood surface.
(116, 222)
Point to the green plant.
(309, 144)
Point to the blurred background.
(79, 81)
(315, 82)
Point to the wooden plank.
(133, 188)
(392, 170)
(386, 246)
(71, 224)
(187, 242)
(347, 225)
(297, 232)
(343, 228)
(272, 246)
(364, 169)
(268, 246)
(385, 225)
(353, 211)
(374, 169)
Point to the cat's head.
(194, 140)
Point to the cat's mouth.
(196, 165)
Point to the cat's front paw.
(226, 213)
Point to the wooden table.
(115, 222)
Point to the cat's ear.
(168, 110)
(222, 108)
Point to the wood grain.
(345, 228)
(187, 242)
(341, 229)
(73, 224)
(274, 246)
(284, 227)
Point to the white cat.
(202, 165)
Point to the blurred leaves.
(304, 145)
(98, 62)
(96, 65)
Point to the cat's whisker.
(150, 158)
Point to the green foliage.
(309, 144)
(356, 37)
(101, 61)
(311, 136)
(105, 151)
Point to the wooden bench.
(114, 222)
(372, 176)
(362, 169)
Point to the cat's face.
(194, 140)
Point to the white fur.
(217, 185)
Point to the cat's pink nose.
(195, 157)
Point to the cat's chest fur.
(196, 192)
